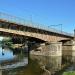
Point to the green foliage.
(69, 73)
(7, 41)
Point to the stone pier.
(68, 48)
(73, 49)
(50, 49)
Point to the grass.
(69, 73)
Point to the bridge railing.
(20, 21)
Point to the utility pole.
(57, 25)
(74, 34)
(31, 19)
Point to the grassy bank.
(69, 73)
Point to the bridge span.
(16, 26)
(57, 40)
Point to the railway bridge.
(54, 39)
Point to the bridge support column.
(73, 52)
(73, 48)
(50, 49)
(68, 48)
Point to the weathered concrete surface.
(68, 48)
(53, 49)
(73, 48)
(41, 36)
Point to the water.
(12, 63)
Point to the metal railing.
(20, 21)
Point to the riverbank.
(69, 73)
(63, 69)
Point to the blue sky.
(47, 12)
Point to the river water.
(13, 63)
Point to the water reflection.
(6, 54)
(21, 64)
(9, 61)
(48, 64)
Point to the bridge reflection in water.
(22, 64)
(48, 64)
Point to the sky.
(44, 12)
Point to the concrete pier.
(68, 48)
(52, 49)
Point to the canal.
(13, 63)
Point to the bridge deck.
(19, 21)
